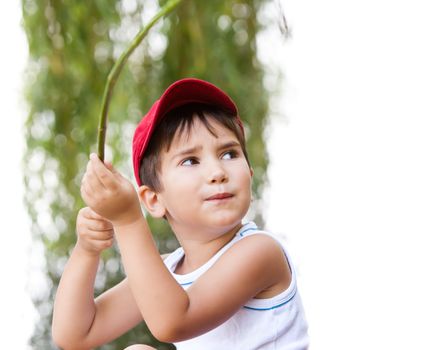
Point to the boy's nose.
(218, 175)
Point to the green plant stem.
(116, 70)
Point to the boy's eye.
(230, 154)
(189, 161)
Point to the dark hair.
(176, 122)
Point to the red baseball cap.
(181, 92)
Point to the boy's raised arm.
(78, 322)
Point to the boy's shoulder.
(256, 249)
(253, 242)
(256, 261)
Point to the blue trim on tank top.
(186, 284)
(248, 229)
(270, 308)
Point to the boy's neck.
(199, 251)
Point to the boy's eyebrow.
(186, 152)
(229, 144)
(192, 150)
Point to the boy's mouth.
(219, 196)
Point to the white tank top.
(275, 323)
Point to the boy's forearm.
(74, 307)
(161, 300)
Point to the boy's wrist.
(129, 220)
(82, 251)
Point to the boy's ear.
(252, 171)
(151, 202)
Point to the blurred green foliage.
(72, 47)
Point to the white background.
(16, 311)
(354, 176)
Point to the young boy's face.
(206, 179)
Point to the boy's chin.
(225, 222)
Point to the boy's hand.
(109, 194)
(94, 232)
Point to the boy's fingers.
(100, 235)
(89, 213)
(104, 175)
(89, 179)
(95, 221)
(101, 245)
(92, 179)
(95, 171)
(110, 167)
(99, 225)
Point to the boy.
(229, 286)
